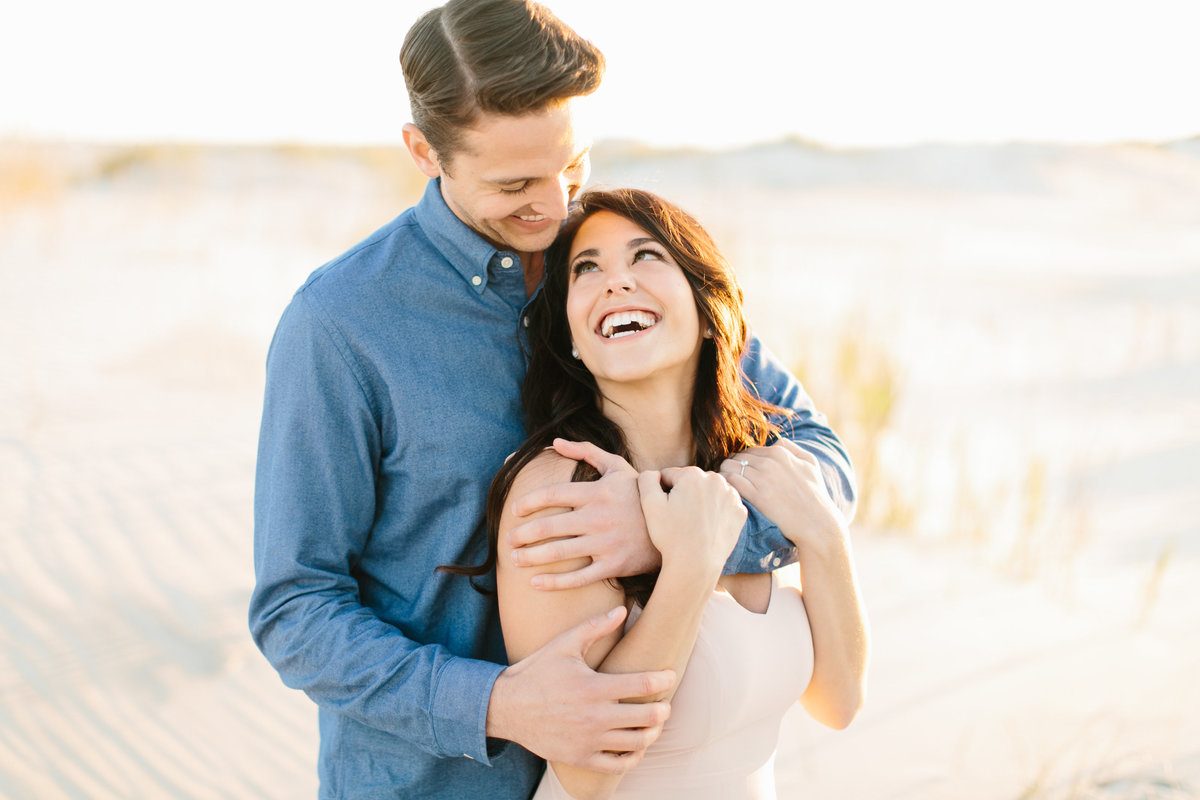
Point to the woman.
(635, 343)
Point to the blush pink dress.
(719, 743)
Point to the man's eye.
(519, 190)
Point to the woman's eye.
(584, 266)
(642, 255)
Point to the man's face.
(513, 177)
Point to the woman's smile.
(618, 324)
(630, 307)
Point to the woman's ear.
(423, 155)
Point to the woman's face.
(629, 306)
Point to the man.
(392, 397)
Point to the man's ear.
(422, 154)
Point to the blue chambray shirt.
(392, 397)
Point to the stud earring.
(574, 353)
(708, 333)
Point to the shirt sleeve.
(762, 547)
(314, 507)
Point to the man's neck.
(532, 264)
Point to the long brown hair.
(499, 56)
(560, 395)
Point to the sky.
(845, 73)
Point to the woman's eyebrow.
(592, 252)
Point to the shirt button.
(525, 321)
(776, 561)
(476, 280)
(506, 262)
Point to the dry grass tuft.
(396, 165)
(859, 389)
(1027, 547)
(1106, 785)
(1153, 585)
(28, 176)
(1020, 518)
(124, 160)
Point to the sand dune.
(1041, 304)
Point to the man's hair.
(496, 56)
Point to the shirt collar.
(467, 251)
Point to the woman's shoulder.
(547, 468)
(544, 469)
(530, 617)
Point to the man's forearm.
(762, 547)
(349, 661)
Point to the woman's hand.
(693, 517)
(784, 482)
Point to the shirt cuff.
(760, 548)
(733, 564)
(460, 704)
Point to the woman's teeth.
(623, 323)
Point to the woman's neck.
(657, 425)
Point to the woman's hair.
(560, 395)
(500, 56)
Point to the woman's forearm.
(694, 527)
(664, 634)
(839, 627)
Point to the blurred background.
(973, 229)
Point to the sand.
(1042, 305)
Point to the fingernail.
(537, 582)
(614, 613)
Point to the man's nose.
(554, 200)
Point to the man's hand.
(605, 524)
(553, 704)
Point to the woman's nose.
(620, 278)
